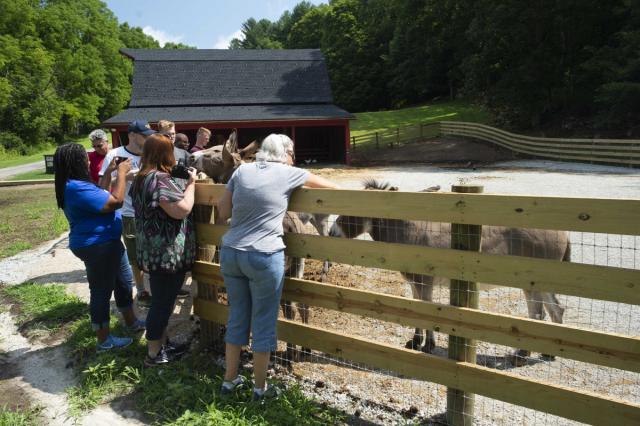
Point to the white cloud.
(161, 36)
(275, 8)
(223, 41)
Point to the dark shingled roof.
(272, 84)
(203, 114)
(223, 54)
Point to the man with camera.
(168, 128)
(138, 131)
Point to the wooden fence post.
(377, 141)
(398, 136)
(209, 331)
(460, 405)
(353, 143)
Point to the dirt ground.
(444, 150)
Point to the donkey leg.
(289, 313)
(553, 307)
(297, 271)
(556, 312)
(422, 289)
(536, 311)
(427, 295)
(416, 342)
(303, 310)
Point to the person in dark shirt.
(94, 237)
(202, 139)
(182, 141)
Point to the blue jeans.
(254, 283)
(164, 289)
(108, 272)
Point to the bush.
(12, 142)
(618, 106)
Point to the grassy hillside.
(458, 110)
(10, 159)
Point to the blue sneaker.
(229, 388)
(137, 326)
(271, 392)
(113, 342)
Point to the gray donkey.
(546, 244)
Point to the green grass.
(45, 307)
(32, 175)
(379, 121)
(10, 159)
(28, 217)
(28, 417)
(182, 393)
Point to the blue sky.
(205, 24)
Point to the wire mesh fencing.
(386, 397)
(422, 401)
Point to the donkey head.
(248, 153)
(354, 226)
(220, 161)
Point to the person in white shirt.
(138, 131)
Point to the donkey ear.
(233, 141)
(227, 157)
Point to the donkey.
(220, 161)
(294, 268)
(546, 244)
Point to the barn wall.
(323, 141)
(322, 144)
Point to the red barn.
(257, 92)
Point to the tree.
(135, 38)
(260, 34)
(61, 71)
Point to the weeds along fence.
(608, 151)
(363, 313)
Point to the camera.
(120, 160)
(179, 171)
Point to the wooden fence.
(395, 137)
(589, 281)
(607, 151)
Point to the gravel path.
(16, 170)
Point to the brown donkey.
(546, 244)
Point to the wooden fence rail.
(607, 151)
(592, 281)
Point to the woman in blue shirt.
(94, 237)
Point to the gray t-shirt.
(180, 155)
(261, 192)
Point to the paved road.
(16, 170)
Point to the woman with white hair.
(100, 145)
(252, 255)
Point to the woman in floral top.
(166, 246)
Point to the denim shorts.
(254, 283)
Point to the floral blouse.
(163, 244)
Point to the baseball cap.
(142, 127)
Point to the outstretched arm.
(315, 181)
